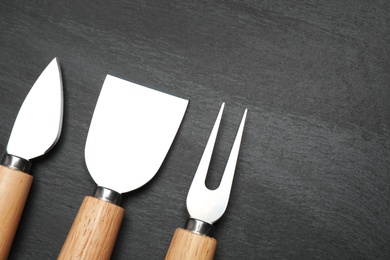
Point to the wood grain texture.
(312, 179)
(186, 245)
(94, 231)
(14, 189)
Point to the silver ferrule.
(108, 195)
(199, 227)
(16, 163)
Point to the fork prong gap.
(228, 175)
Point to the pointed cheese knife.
(35, 131)
(131, 131)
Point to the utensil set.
(130, 134)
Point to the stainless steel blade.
(38, 124)
(205, 204)
(131, 131)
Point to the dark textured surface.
(312, 180)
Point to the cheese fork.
(205, 206)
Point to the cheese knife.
(36, 130)
(205, 206)
(131, 131)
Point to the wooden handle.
(94, 231)
(186, 245)
(14, 188)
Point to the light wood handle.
(186, 245)
(14, 188)
(94, 231)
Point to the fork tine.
(228, 175)
(201, 172)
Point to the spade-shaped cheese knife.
(205, 206)
(130, 134)
(36, 130)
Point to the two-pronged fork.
(205, 206)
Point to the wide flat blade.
(38, 125)
(131, 131)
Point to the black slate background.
(312, 180)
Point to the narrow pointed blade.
(38, 125)
(131, 131)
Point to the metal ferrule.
(199, 227)
(108, 195)
(16, 163)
